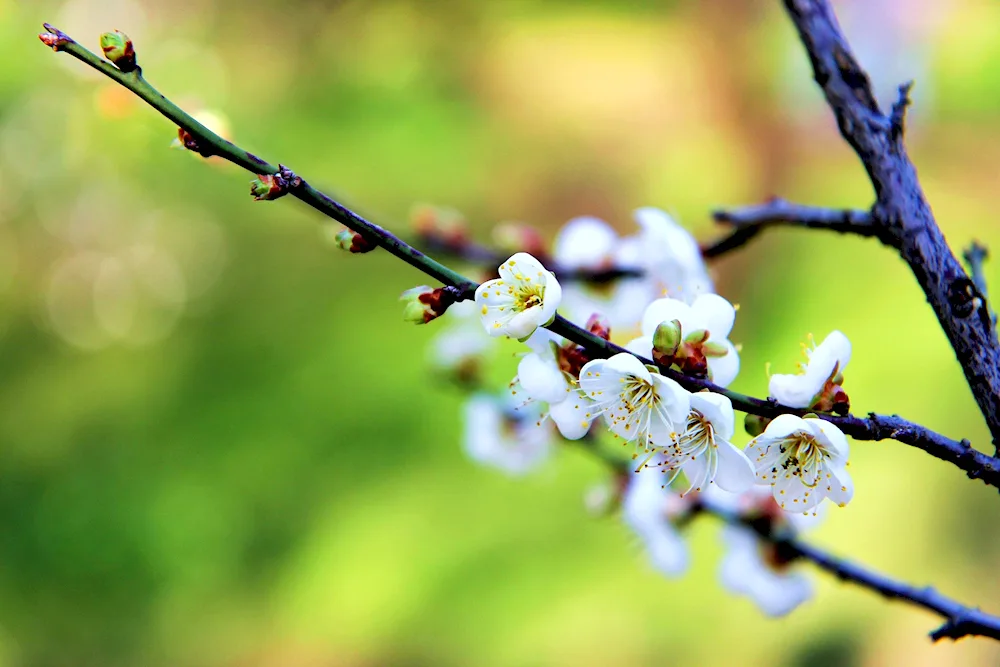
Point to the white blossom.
(585, 243)
(804, 461)
(523, 298)
(665, 254)
(671, 255)
(708, 312)
(637, 404)
(542, 376)
(648, 508)
(704, 450)
(823, 364)
(751, 567)
(498, 435)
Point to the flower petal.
(841, 487)
(783, 426)
(735, 473)
(831, 438)
(584, 242)
(675, 400)
(716, 314)
(795, 391)
(551, 297)
(542, 379)
(572, 416)
(723, 370)
(794, 496)
(718, 410)
(643, 346)
(666, 310)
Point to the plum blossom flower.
(499, 435)
(804, 461)
(548, 374)
(754, 568)
(671, 255)
(523, 298)
(649, 509)
(818, 384)
(704, 451)
(585, 243)
(699, 337)
(637, 404)
(665, 253)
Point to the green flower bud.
(667, 338)
(424, 303)
(755, 424)
(118, 49)
(350, 241)
(266, 187)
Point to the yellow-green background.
(279, 482)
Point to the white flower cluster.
(794, 463)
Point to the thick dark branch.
(901, 210)
(747, 222)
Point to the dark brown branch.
(901, 211)
(747, 222)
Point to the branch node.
(897, 117)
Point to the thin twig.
(901, 211)
(975, 464)
(748, 221)
(960, 620)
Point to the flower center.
(804, 458)
(528, 297)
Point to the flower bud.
(599, 325)
(666, 340)
(424, 303)
(755, 424)
(118, 49)
(351, 241)
(266, 187)
(54, 38)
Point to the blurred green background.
(219, 444)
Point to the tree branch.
(901, 211)
(975, 464)
(747, 222)
(960, 620)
